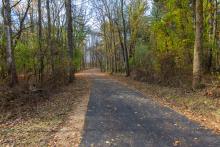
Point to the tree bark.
(215, 24)
(13, 79)
(125, 40)
(49, 37)
(197, 71)
(32, 18)
(41, 54)
(212, 33)
(69, 19)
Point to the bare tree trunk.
(32, 18)
(197, 71)
(215, 24)
(125, 40)
(105, 44)
(112, 46)
(69, 19)
(120, 40)
(211, 34)
(49, 37)
(40, 42)
(13, 79)
(115, 52)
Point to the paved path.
(121, 117)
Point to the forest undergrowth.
(31, 117)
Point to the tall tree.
(13, 79)
(211, 21)
(41, 56)
(70, 44)
(197, 70)
(49, 36)
(125, 40)
(213, 10)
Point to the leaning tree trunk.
(13, 79)
(197, 71)
(70, 38)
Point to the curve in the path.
(121, 117)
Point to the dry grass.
(195, 105)
(37, 121)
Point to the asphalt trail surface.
(121, 117)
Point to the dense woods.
(40, 41)
(171, 42)
(159, 41)
(113, 65)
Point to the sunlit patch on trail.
(91, 72)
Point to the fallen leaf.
(107, 142)
(195, 138)
(176, 143)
